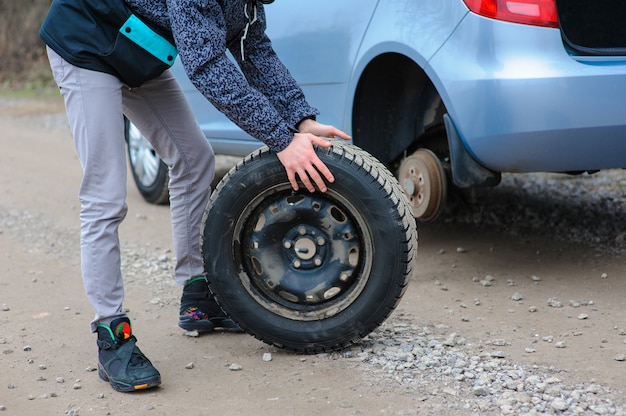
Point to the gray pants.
(95, 103)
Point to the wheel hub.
(305, 247)
(303, 251)
(424, 183)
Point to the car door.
(318, 40)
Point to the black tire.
(150, 173)
(309, 272)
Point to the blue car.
(445, 93)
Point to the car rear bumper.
(522, 103)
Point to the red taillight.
(529, 12)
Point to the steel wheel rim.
(303, 256)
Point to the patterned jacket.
(258, 93)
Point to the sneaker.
(120, 362)
(200, 312)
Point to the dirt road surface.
(496, 290)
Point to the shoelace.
(137, 360)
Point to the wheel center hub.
(409, 187)
(305, 247)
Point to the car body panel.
(321, 49)
(524, 104)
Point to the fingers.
(320, 167)
(319, 141)
(313, 174)
(338, 133)
(316, 169)
(292, 179)
(318, 129)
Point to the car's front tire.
(309, 272)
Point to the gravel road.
(460, 357)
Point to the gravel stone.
(559, 404)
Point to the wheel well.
(397, 109)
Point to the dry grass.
(24, 64)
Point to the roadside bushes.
(23, 52)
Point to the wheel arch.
(395, 108)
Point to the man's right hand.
(301, 161)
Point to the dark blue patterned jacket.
(263, 98)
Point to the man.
(108, 58)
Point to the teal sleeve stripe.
(138, 32)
